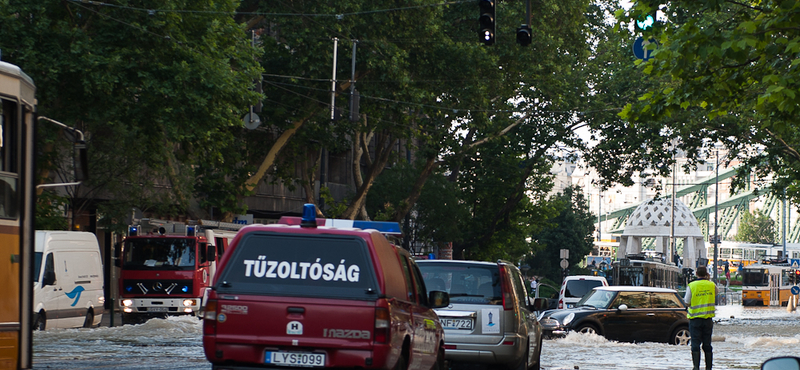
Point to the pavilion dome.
(654, 218)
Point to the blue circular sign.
(640, 49)
(795, 290)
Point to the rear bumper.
(244, 356)
(496, 353)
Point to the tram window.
(755, 278)
(8, 136)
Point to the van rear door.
(298, 293)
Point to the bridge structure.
(729, 210)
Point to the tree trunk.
(383, 149)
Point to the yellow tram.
(766, 285)
(17, 119)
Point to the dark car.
(624, 313)
(320, 297)
(490, 319)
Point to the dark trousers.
(701, 329)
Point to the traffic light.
(487, 21)
(646, 21)
(524, 37)
(796, 277)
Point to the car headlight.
(127, 302)
(568, 319)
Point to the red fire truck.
(166, 267)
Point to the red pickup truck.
(311, 296)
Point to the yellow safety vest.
(703, 299)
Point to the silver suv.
(490, 319)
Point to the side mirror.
(782, 363)
(541, 304)
(622, 307)
(49, 278)
(438, 299)
(211, 253)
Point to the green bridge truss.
(703, 209)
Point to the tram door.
(774, 289)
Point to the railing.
(728, 296)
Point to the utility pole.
(333, 80)
(716, 219)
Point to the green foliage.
(438, 212)
(156, 92)
(726, 73)
(756, 227)
(332, 208)
(571, 229)
(50, 212)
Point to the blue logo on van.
(76, 294)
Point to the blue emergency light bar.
(133, 230)
(309, 220)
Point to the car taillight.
(382, 325)
(210, 317)
(560, 304)
(508, 295)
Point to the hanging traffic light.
(524, 37)
(487, 21)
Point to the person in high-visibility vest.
(701, 297)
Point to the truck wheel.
(40, 321)
(89, 322)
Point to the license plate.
(157, 309)
(305, 359)
(465, 324)
(570, 305)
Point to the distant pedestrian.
(701, 297)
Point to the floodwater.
(743, 338)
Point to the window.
(666, 300)
(407, 277)
(633, 300)
(300, 266)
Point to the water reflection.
(744, 337)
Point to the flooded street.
(743, 338)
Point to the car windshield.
(579, 288)
(159, 254)
(465, 282)
(597, 299)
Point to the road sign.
(564, 254)
(795, 290)
(640, 49)
(564, 264)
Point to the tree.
(756, 227)
(727, 74)
(572, 229)
(159, 93)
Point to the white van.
(575, 287)
(68, 280)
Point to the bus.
(766, 284)
(644, 270)
(17, 120)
